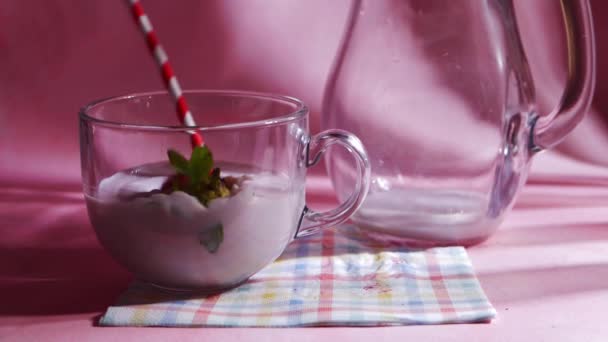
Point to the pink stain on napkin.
(337, 278)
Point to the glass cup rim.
(301, 110)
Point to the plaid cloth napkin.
(335, 278)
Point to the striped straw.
(183, 113)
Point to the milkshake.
(175, 241)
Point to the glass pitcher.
(441, 95)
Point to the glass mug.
(172, 240)
(441, 95)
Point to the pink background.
(546, 270)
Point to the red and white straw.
(183, 113)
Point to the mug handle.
(312, 221)
(550, 130)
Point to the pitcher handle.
(313, 221)
(551, 129)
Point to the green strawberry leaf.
(212, 238)
(201, 163)
(197, 176)
(217, 183)
(178, 161)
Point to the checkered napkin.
(336, 278)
